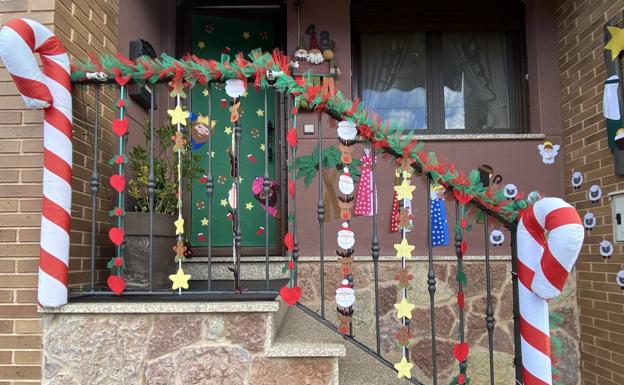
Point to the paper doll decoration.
(619, 278)
(611, 108)
(589, 221)
(497, 237)
(548, 151)
(364, 198)
(439, 223)
(577, 179)
(200, 130)
(606, 249)
(257, 187)
(595, 193)
(487, 177)
(510, 191)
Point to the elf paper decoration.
(611, 108)
(364, 196)
(437, 213)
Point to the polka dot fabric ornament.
(364, 197)
(439, 223)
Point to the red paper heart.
(291, 188)
(290, 295)
(120, 126)
(463, 247)
(116, 235)
(116, 283)
(291, 137)
(460, 351)
(118, 182)
(289, 241)
(462, 197)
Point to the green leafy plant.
(165, 171)
(306, 166)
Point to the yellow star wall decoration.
(404, 368)
(228, 130)
(179, 280)
(178, 115)
(404, 309)
(223, 202)
(260, 112)
(249, 206)
(262, 147)
(404, 249)
(204, 221)
(205, 92)
(404, 190)
(179, 225)
(201, 44)
(246, 35)
(616, 43)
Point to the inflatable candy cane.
(48, 90)
(544, 264)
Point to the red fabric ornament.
(463, 248)
(120, 126)
(121, 103)
(289, 242)
(116, 235)
(116, 283)
(290, 295)
(460, 351)
(462, 197)
(291, 265)
(460, 299)
(118, 182)
(463, 224)
(118, 211)
(291, 137)
(117, 262)
(461, 379)
(119, 159)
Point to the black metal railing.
(97, 288)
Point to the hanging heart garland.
(117, 181)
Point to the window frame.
(518, 101)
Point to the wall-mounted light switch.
(308, 129)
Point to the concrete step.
(357, 365)
(252, 268)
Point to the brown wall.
(600, 300)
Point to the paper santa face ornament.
(606, 248)
(497, 237)
(619, 278)
(345, 182)
(234, 88)
(346, 237)
(510, 191)
(577, 179)
(345, 295)
(595, 193)
(301, 55)
(589, 221)
(548, 151)
(346, 130)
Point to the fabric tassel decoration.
(439, 223)
(364, 197)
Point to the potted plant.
(165, 207)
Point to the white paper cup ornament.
(345, 182)
(347, 130)
(606, 249)
(497, 237)
(619, 278)
(589, 221)
(346, 237)
(234, 88)
(510, 191)
(577, 179)
(345, 295)
(595, 193)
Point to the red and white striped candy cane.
(544, 264)
(50, 90)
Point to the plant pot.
(136, 271)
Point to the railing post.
(516, 304)
(95, 183)
(266, 188)
(320, 214)
(431, 285)
(151, 185)
(375, 254)
(489, 311)
(238, 236)
(209, 187)
(460, 287)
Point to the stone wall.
(200, 348)
(583, 72)
(447, 318)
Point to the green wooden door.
(210, 37)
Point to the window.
(467, 79)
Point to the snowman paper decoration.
(345, 295)
(510, 191)
(606, 249)
(595, 193)
(619, 278)
(577, 179)
(497, 237)
(589, 221)
(345, 182)
(346, 237)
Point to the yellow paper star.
(260, 112)
(228, 130)
(212, 154)
(249, 206)
(223, 202)
(178, 115)
(180, 280)
(205, 92)
(204, 221)
(404, 368)
(404, 249)
(262, 147)
(404, 309)
(246, 35)
(616, 43)
(404, 191)
(201, 44)
(179, 225)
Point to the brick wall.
(81, 26)
(600, 300)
